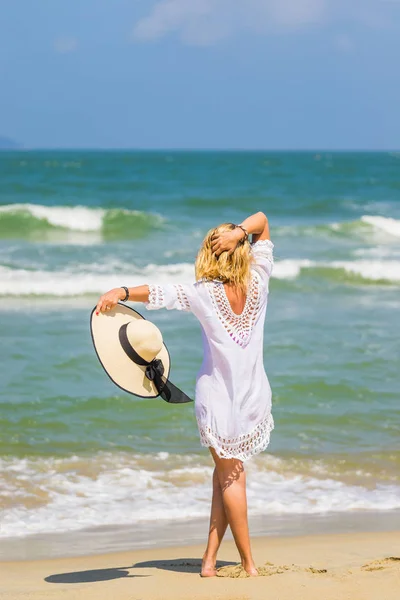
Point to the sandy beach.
(353, 566)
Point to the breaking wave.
(123, 488)
(94, 279)
(35, 221)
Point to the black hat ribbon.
(154, 372)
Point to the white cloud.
(195, 20)
(204, 22)
(207, 21)
(65, 45)
(294, 14)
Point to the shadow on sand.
(180, 565)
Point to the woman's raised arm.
(257, 225)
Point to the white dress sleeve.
(263, 258)
(170, 296)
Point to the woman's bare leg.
(218, 525)
(232, 479)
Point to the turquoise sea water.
(75, 451)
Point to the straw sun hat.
(132, 352)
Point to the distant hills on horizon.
(7, 143)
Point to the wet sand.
(352, 566)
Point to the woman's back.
(236, 296)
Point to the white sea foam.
(382, 252)
(373, 270)
(375, 227)
(94, 279)
(386, 224)
(290, 268)
(74, 218)
(370, 270)
(368, 227)
(22, 282)
(77, 218)
(111, 489)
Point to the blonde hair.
(229, 268)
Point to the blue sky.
(275, 74)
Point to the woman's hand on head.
(226, 241)
(109, 300)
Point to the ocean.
(77, 453)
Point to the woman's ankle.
(248, 563)
(209, 557)
(208, 566)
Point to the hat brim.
(122, 371)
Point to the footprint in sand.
(237, 571)
(383, 563)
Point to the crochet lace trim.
(243, 447)
(265, 248)
(182, 297)
(239, 327)
(156, 296)
(262, 243)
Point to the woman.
(233, 395)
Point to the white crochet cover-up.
(233, 394)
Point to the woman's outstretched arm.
(139, 293)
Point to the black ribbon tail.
(171, 393)
(167, 390)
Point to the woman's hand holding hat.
(110, 299)
(131, 349)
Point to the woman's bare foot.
(250, 568)
(208, 568)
